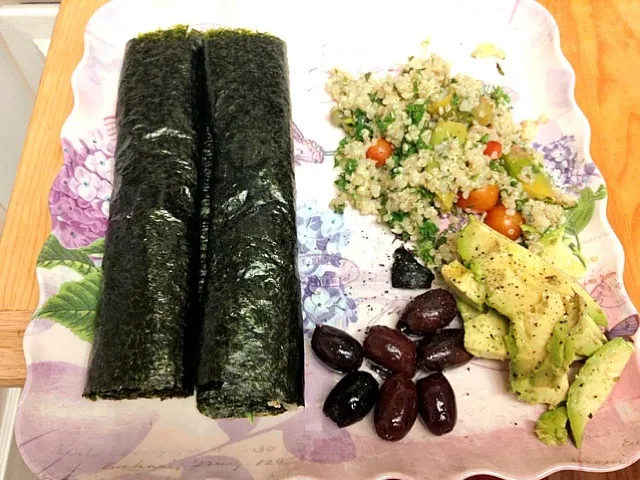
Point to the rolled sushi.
(251, 348)
(148, 308)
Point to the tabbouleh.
(445, 137)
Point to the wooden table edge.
(28, 222)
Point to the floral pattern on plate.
(343, 262)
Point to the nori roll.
(251, 351)
(148, 308)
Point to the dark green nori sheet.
(205, 208)
(407, 272)
(151, 258)
(251, 353)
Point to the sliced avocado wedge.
(532, 332)
(477, 239)
(522, 384)
(594, 383)
(557, 252)
(585, 337)
(538, 184)
(466, 311)
(551, 427)
(463, 284)
(535, 394)
(484, 335)
(557, 363)
(473, 240)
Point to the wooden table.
(601, 39)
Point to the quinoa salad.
(424, 149)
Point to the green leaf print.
(96, 248)
(75, 305)
(53, 255)
(579, 216)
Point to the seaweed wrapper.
(251, 354)
(150, 265)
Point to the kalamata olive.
(397, 408)
(336, 348)
(390, 349)
(351, 399)
(428, 312)
(437, 403)
(443, 350)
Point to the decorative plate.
(344, 263)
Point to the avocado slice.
(557, 362)
(476, 240)
(594, 382)
(509, 291)
(532, 332)
(538, 186)
(535, 394)
(446, 129)
(473, 240)
(551, 427)
(522, 385)
(466, 311)
(484, 335)
(463, 284)
(557, 253)
(484, 330)
(585, 337)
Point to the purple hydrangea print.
(80, 196)
(321, 237)
(562, 162)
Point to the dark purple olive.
(336, 348)
(437, 403)
(390, 349)
(397, 408)
(428, 312)
(351, 399)
(442, 350)
(627, 328)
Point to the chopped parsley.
(350, 166)
(409, 149)
(424, 193)
(485, 138)
(415, 112)
(455, 100)
(339, 208)
(424, 251)
(342, 182)
(375, 99)
(361, 124)
(421, 145)
(428, 230)
(398, 217)
(385, 122)
(496, 167)
(500, 96)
